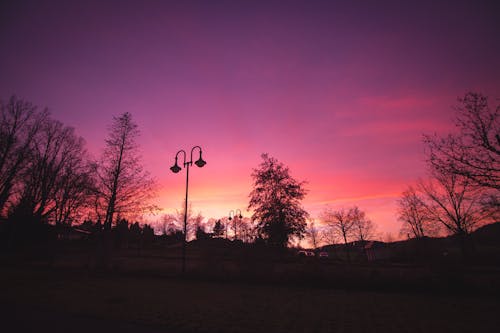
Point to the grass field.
(114, 302)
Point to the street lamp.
(233, 216)
(175, 169)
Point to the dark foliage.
(201, 233)
(218, 229)
(276, 201)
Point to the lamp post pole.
(184, 240)
(175, 169)
(233, 215)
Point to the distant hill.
(485, 245)
(489, 234)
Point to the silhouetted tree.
(363, 227)
(169, 224)
(175, 221)
(247, 230)
(19, 124)
(327, 236)
(339, 223)
(87, 225)
(235, 225)
(218, 229)
(225, 222)
(453, 202)
(56, 180)
(201, 233)
(414, 216)
(312, 233)
(148, 235)
(276, 202)
(124, 186)
(196, 225)
(474, 152)
(121, 234)
(74, 192)
(135, 236)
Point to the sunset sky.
(340, 91)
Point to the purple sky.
(341, 92)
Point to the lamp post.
(175, 169)
(233, 216)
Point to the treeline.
(236, 227)
(125, 234)
(47, 177)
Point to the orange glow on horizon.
(216, 201)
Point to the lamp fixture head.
(175, 168)
(200, 162)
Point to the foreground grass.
(174, 305)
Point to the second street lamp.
(233, 216)
(175, 169)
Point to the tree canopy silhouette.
(218, 229)
(20, 122)
(340, 224)
(44, 173)
(56, 181)
(473, 152)
(454, 203)
(412, 213)
(276, 201)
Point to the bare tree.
(174, 222)
(453, 202)
(209, 224)
(225, 222)
(125, 188)
(340, 223)
(19, 124)
(474, 152)
(54, 185)
(327, 237)
(166, 225)
(235, 224)
(312, 233)
(74, 193)
(247, 230)
(363, 227)
(414, 216)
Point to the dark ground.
(41, 299)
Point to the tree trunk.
(347, 252)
